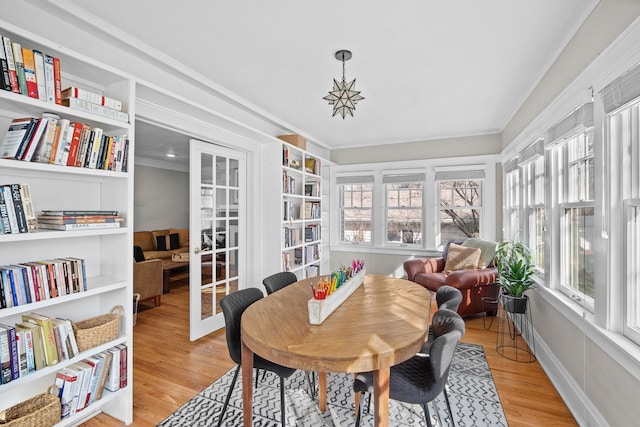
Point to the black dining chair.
(422, 378)
(233, 305)
(277, 281)
(274, 283)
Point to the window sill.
(413, 250)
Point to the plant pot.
(517, 305)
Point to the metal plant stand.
(515, 338)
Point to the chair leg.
(284, 415)
(311, 384)
(427, 417)
(446, 399)
(226, 401)
(358, 409)
(257, 375)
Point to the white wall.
(160, 199)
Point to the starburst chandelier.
(343, 97)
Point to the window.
(512, 199)
(356, 209)
(532, 159)
(403, 216)
(460, 207)
(574, 160)
(622, 105)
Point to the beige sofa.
(147, 240)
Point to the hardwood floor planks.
(169, 369)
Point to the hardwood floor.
(169, 369)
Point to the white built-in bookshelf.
(107, 252)
(293, 189)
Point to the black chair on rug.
(422, 378)
(277, 281)
(274, 283)
(233, 305)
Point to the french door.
(217, 232)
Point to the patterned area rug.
(472, 396)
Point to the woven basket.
(42, 410)
(98, 330)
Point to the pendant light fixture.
(343, 97)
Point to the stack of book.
(82, 383)
(93, 102)
(29, 72)
(79, 220)
(35, 343)
(35, 281)
(50, 139)
(16, 210)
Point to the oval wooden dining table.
(384, 322)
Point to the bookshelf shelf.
(106, 252)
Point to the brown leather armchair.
(147, 279)
(474, 284)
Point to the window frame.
(362, 180)
(389, 179)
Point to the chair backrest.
(278, 281)
(448, 297)
(448, 329)
(233, 305)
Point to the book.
(87, 372)
(57, 151)
(5, 78)
(29, 66)
(67, 382)
(61, 219)
(70, 337)
(88, 212)
(113, 379)
(14, 356)
(28, 136)
(4, 215)
(38, 60)
(75, 131)
(37, 335)
(3, 300)
(27, 205)
(5, 356)
(59, 334)
(42, 152)
(107, 358)
(92, 97)
(89, 107)
(13, 139)
(11, 64)
(45, 322)
(17, 57)
(96, 363)
(11, 213)
(11, 299)
(57, 80)
(26, 340)
(22, 353)
(123, 365)
(36, 138)
(19, 208)
(70, 227)
(96, 145)
(83, 147)
(49, 80)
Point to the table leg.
(322, 391)
(247, 385)
(381, 396)
(166, 275)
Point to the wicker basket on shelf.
(42, 410)
(98, 330)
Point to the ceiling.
(427, 69)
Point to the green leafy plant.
(515, 264)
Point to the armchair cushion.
(461, 258)
(487, 248)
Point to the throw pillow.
(174, 241)
(138, 255)
(163, 243)
(487, 248)
(461, 258)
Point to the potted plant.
(515, 264)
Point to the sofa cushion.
(183, 236)
(157, 255)
(487, 248)
(145, 240)
(157, 233)
(138, 255)
(461, 258)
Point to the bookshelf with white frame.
(107, 252)
(293, 194)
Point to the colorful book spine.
(30, 72)
(17, 56)
(11, 64)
